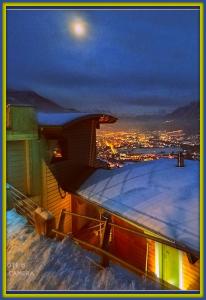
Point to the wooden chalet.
(144, 216)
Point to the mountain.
(185, 118)
(33, 99)
(188, 112)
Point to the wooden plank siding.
(78, 142)
(93, 150)
(128, 246)
(191, 274)
(21, 119)
(79, 206)
(16, 165)
(34, 168)
(151, 257)
(81, 143)
(52, 199)
(21, 123)
(124, 245)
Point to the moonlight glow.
(79, 28)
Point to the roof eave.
(101, 118)
(153, 234)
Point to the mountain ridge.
(184, 117)
(31, 98)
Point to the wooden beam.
(151, 234)
(28, 167)
(105, 239)
(61, 219)
(159, 240)
(82, 216)
(122, 262)
(92, 150)
(19, 136)
(94, 262)
(116, 259)
(62, 233)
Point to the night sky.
(131, 62)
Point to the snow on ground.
(155, 194)
(39, 263)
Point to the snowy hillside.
(37, 263)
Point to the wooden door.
(168, 264)
(171, 265)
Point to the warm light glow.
(157, 267)
(78, 28)
(181, 284)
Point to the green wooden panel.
(16, 165)
(170, 268)
(159, 259)
(35, 167)
(20, 136)
(23, 119)
(167, 259)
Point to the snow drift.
(38, 263)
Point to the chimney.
(180, 160)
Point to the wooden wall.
(21, 123)
(79, 149)
(128, 246)
(79, 206)
(21, 119)
(24, 168)
(81, 143)
(16, 165)
(191, 274)
(151, 257)
(52, 199)
(23, 161)
(124, 245)
(34, 161)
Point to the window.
(168, 264)
(58, 150)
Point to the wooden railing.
(23, 204)
(103, 249)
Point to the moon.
(78, 28)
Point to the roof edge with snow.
(67, 118)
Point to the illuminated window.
(57, 152)
(168, 264)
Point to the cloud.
(159, 102)
(128, 79)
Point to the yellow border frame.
(100, 4)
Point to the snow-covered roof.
(156, 195)
(63, 118)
